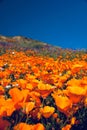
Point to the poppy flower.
(47, 111)
(22, 83)
(28, 106)
(38, 126)
(62, 102)
(24, 126)
(67, 127)
(73, 120)
(16, 95)
(45, 89)
(7, 107)
(76, 93)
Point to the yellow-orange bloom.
(28, 107)
(22, 83)
(6, 107)
(76, 93)
(38, 126)
(73, 120)
(24, 126)
(47, 111)
(67, 127)
(62, 102)
(16, 95)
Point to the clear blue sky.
(58, 22)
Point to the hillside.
(23, 43)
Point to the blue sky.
(58, 22)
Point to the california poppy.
(47, 111)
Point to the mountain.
(24, 43)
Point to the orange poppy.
(22, 83)
(45, 89)
(67, 127)
(47, 111)
(73, 120)
(76, 93)
(62, 102)
(22, 126)
(28, 106)
(16, 95)
(7, 107)
(38, 126)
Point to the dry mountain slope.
(24, 43)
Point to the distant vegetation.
(22, 43)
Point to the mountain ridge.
(24, 43)
(18, 39)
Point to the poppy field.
(39, 92)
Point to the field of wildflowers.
(39, 92)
